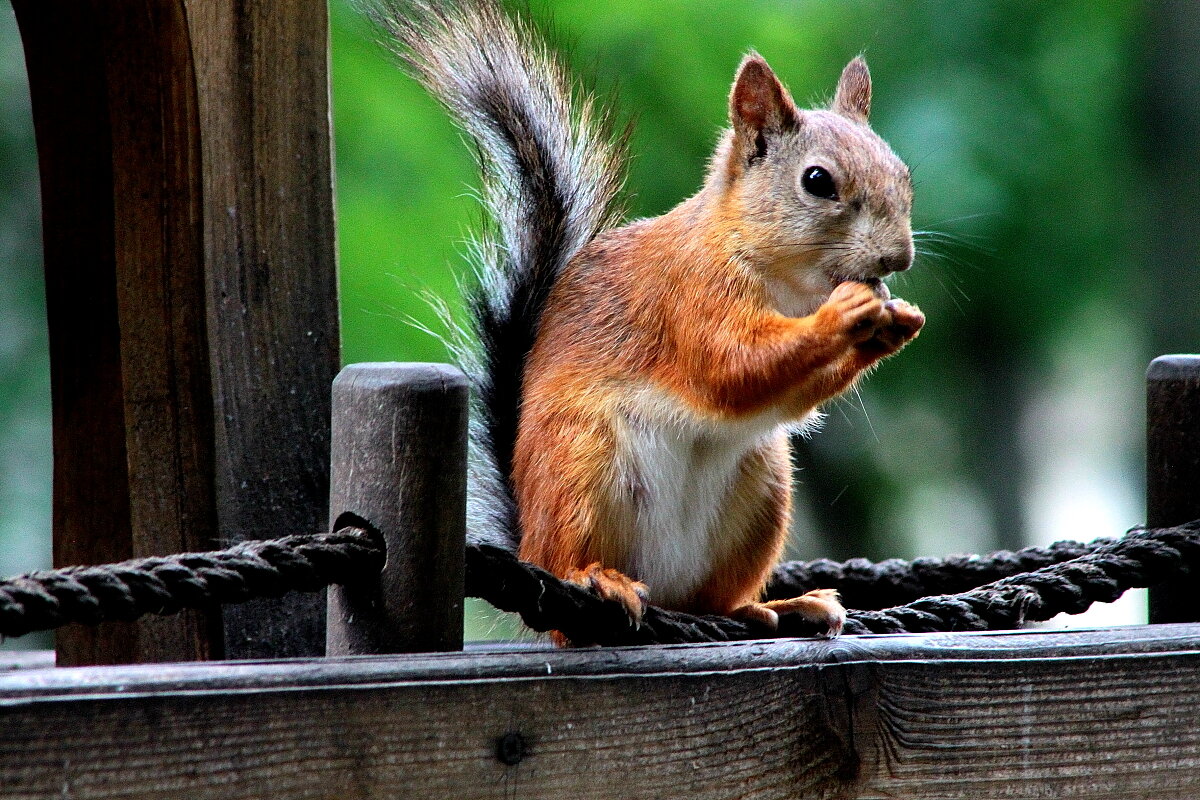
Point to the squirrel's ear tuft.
(853, 98)
(759, 107)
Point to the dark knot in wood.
(511, 748)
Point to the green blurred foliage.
(1019, 118)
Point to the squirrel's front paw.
(613, 585)
(855, 310)
(902, 326)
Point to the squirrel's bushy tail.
(552, 170)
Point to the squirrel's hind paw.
(820, 606)
(613, 585)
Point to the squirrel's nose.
(895, 262)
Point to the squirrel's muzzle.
(896, 262)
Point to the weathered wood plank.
(1075, 714)
(1173, 468)
(399, 462)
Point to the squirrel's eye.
(818, 182)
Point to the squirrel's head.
(822, 198)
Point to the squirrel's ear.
(759, 107)
(853, 98)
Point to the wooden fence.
(184, 154)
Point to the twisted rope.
(1102, 572)
(1140, 559)
(1074, 576)
(164, 585)
(546, 603)
(867, 585)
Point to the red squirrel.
(637, 384)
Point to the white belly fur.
(673, 475)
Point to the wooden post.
(262, 78)
(1173, 468)
(191, 293)
(399, 462)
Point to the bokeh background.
(1054, 147)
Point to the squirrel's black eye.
(819, 183)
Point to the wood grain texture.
(263, 93)
(114, 102)
(184, 151)
(1173, 468)
(1107, 714)
(160, 299)
(400, 462)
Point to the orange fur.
(673, 329)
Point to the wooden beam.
(1094, 714)
(191, 294)
(115, 115)
(1173, 468)
(400, 464)
(262, 77)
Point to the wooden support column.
(1173, 469)
(400, 463)
(262, 78)
(191, 294)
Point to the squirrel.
(637, 384)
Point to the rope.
(1140, 559)
(546, 603)
(1102, 571)
(1072, 577)
(164, 585)
(866, 585)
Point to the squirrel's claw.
(611, 584)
